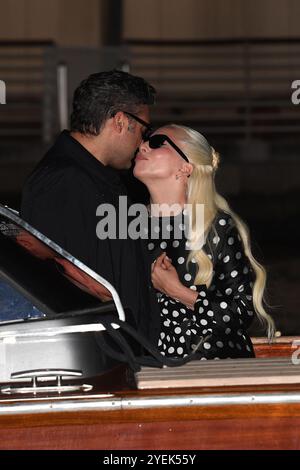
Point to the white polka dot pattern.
(216, 328)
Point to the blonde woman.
(208, 293)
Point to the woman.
(208, 292)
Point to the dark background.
(222, 67)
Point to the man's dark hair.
(103, 94)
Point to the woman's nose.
(144, 147)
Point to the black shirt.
(60, 199)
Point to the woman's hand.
(165, 279)
(164, 276)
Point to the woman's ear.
(187, 169)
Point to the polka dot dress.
(216, 328)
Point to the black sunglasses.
(156, 141)
(149, 129)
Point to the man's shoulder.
(55, 171)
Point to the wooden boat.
(114, 414)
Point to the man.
(80, 172)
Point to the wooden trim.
(280, 347)
(280, 340)
(262, 428)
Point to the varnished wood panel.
(74, 23)
(202, 19)
(143, 19)
(67, 22)
(12, 14)
(243, 433)
(251, 426)
(285, 346)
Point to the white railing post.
(62, 96)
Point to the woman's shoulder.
(223, 222)
(222, 215)
(222, 227)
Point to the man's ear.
(119, 121)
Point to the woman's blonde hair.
(202, 190)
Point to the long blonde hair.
(201, 190)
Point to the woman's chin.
(146, 175)
(138, 172)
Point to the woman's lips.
(140, 157)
